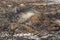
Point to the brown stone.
(13, 26)
(36, 19)
(53, 28)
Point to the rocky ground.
(21, 20)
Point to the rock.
(53, 28)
